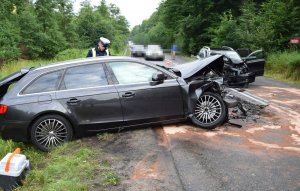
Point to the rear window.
(45, 83)
(86, 76)
(5, 88)
(8, 82)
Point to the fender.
(197, 88)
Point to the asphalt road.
(262, 155)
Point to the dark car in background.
(238, 71)
(154, 52)
(52, 104)
(137, 50)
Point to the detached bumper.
(15, 130)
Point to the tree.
(53, 40)
(65, 18)
(31, 33)
(9, 31)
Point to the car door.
(142, 100)
(256, 62)
(89, 98)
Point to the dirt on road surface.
(262, 155)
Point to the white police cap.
(104, 41)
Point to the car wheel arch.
(36, 117)
(197, 88)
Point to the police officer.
(101, 49)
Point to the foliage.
(43, 28)
(69, 54)
(285, 65)
(9, 31)
(266, 24)
(68, 167)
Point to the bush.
(286, 64)
(71, 54)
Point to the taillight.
(3, 109)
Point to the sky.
(135, 11)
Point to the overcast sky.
(135, 11)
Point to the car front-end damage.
(237, 75)
(204, 79)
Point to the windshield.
(154, 47)
(138, 47)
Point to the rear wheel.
(50, 131)
(209, 111)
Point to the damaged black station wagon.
(52, 104)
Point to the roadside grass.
(105, 137)
(109, 177)
(68, 54)
(16, 65)
(71, 166)
(284, 66)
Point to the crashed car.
(52, 104)
(237, 71)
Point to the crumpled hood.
(198, 67)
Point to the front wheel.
(209, 111)
(50, 131)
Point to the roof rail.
(227, 47)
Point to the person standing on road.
(101, 49)
(173, 49)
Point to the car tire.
(209, 111)
(50, 131)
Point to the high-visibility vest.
(94, 52)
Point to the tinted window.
(130, 72)
(45, 83)
(85, 77)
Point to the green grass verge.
(16, 65)
(72, 166)
(284, 66)
(68, 54)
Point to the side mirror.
(158, 78)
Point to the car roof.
(87, 61)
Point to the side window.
(131, 72)
(45, 83)
(84, 77)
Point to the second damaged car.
(238, 71)
(53, 104)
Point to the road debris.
(242, 106)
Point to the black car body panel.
(112, 105)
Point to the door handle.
(128, 94)
(73, 101)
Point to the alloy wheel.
(50, 133)
(208, 109)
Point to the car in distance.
(52, 104)
(238, 71)
(137, 50)
(154, 52)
